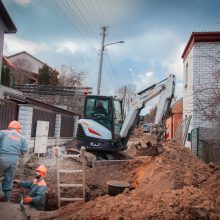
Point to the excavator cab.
(99, 130)
(105, 110)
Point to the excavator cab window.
(99, 109)
(118, 118)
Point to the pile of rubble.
(172, 185)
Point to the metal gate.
(182, 131)
(67, 126)
(195, 142)
(8, 112)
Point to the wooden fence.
(52, 90)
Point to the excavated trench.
(96, 177)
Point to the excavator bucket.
(153, 150)
(142, 149)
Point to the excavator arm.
(165, 90)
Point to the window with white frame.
(186, 74)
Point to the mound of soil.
(172, 185)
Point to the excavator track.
(91, 157)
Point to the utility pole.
(103, 33)
(124, 99)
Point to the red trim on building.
(200, 37)
(8, 63)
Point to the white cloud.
(23, 2)
(142, 82)
(14, 44)
(149, 78)
(174, 63)
(70, 46)
(148, 45)
(145, 80)
(131, 71)
(179, 90)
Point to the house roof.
(8, 63)
(13, 94)
(24, 52)
(11, 28)
(200, 37)
(29, 74)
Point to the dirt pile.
(173, 185)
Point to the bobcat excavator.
(103, 132)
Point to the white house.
(26, 61)
(201, 61)
(6, 26)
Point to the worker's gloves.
(16, 182)
(27, 199)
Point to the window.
(98, 109)
(186, 75)
(89, 106)
(117, 119)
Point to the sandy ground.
(172, 185)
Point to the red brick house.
(174, 117)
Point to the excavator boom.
(138, 102)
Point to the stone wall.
(25, 118)
(73, 103)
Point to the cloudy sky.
(68, 32)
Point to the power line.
(99, 9)
(80, 31)
(80, 23)
(82, 18)
(89, 12)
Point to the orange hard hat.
(42, 170)
(15, 125)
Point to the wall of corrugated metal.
(43, 115)
(8, 112)
(67, 126)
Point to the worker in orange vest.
(12, 146)
(36, 196)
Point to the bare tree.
(22, 71)
(23, 64)
(150, 117)
(125, 93)
(70, 77)
(207, 98)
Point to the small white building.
(201, 61)
(6, 26)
